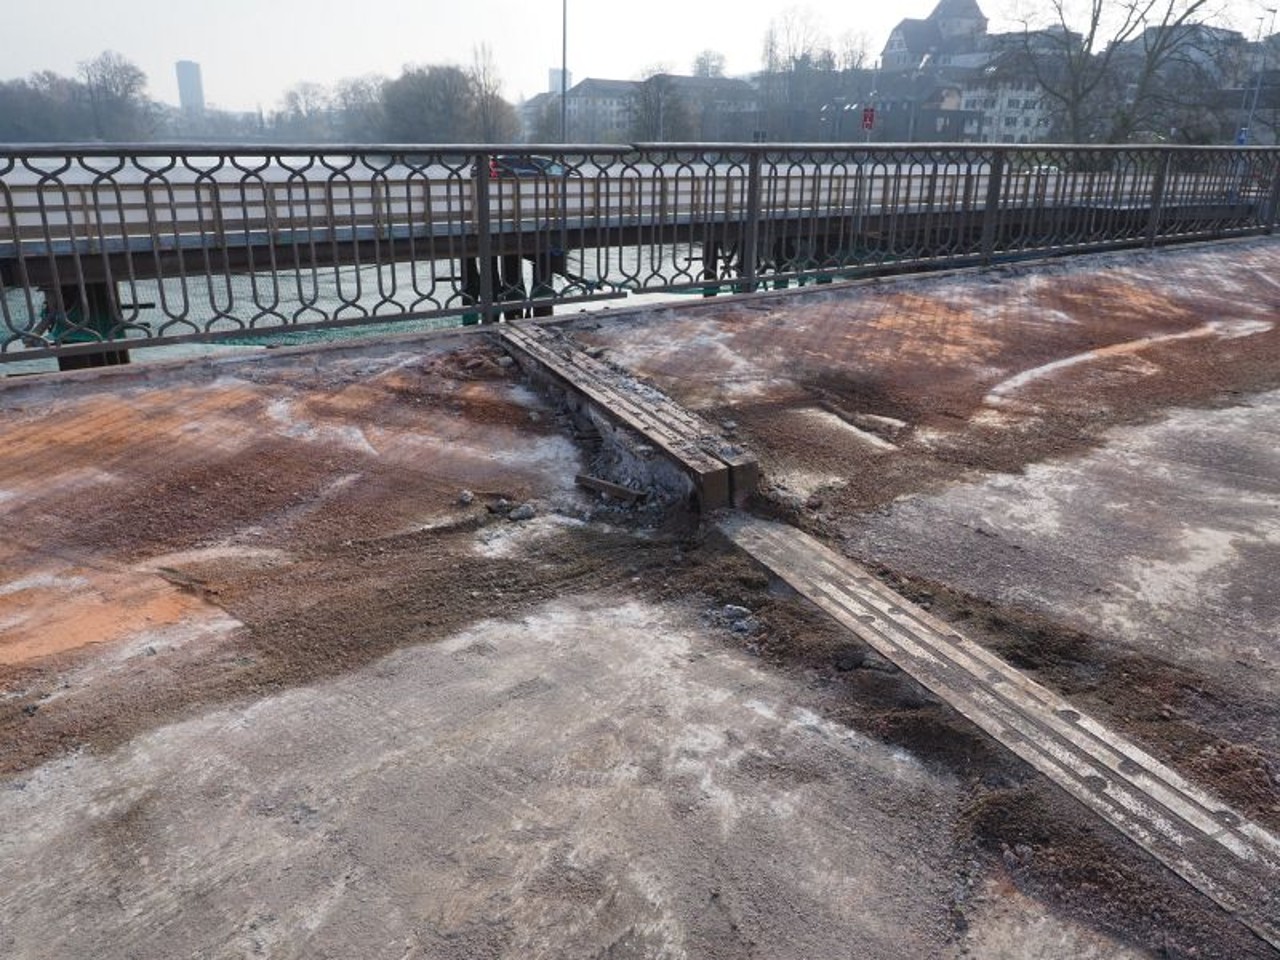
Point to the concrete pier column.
(84, 314)
(710, 267)
(511, 286)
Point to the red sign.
(868, 117)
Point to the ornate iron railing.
(104, 248)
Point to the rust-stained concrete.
(272, 683)
(1089, 441)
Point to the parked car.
(527, 165)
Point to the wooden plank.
(615, 490)
(688, 440)
(1216, 849)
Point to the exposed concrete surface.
(1166, 538)
(599, 778)
(1080, 455)
(279, 675)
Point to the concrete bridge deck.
(272, 682)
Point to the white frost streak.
(1223, 329)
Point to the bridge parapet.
(111, 247)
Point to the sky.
(251, 51)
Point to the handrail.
(106, 247)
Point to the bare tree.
(357, 103)
(1077, 52)
(306, 112)
(495, 118)
(117, 101)
(792, 36)
(432, 104)
(709, 63)
(851, 51)
(659, 110)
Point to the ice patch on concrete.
(42, 581)
(554, 455)
(507, 539)
(1223, 329)
(266, 556)
(729, 375)
(805, 483)
(825, 419)
(300, 428)
(1005, 924)
(1237, 329)
(1201, 557)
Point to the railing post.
(1272, 213)
(1157, 198)
(751, 236)
(484, 236)
(991, 211)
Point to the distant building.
(540, 118)
(190, 87)
(702, 108)
(558, 80)
(949, 36)
(600, 110)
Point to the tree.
(44, 107)
(803, 72)
(119, 108)
(307, 113)
(495, 119)
(709, 63)
(851, 51)
(1076, 57)
(358, 108)
(791, 37)
(659, 111)
(433, 104)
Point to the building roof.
(957, 10)
(598, 88)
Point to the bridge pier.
(506, 273)
(512, 283)
(83, 313)
(542, 284)
(710, 267)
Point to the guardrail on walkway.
(110, 247)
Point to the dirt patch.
(1219, 736)
(325, 613)
(1188, 327)
(1052, 849)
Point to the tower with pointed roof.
(954, 27)
(959, 19)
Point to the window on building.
(1014, 104)
(1010, 121)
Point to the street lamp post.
(1246, 132)
(563, 71)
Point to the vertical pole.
(991, 212)
(512, 282)
(1157, 198)
(751, 235)
(484, 238)
(564, 71)
(710, 264)
(1272, 213)
(543, 288)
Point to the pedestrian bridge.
(108, 247)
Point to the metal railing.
(104, 248)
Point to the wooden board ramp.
(1221, 853)
(722, 473)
